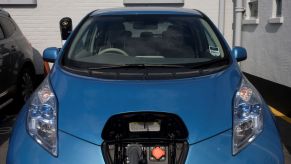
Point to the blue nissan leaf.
(145, 86)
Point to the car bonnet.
(203, 103)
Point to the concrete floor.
(7, 119)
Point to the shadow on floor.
(276, 95)
(7, 118)
(285, 132)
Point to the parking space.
(285, 132)
(7, 118)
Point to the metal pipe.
(221, 16)
(239, 9)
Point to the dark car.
(20, 64)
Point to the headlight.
(42, 117)
(247, 116)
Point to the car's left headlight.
(247, 116)
(42, 117)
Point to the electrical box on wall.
(18, 2)
(153, 1)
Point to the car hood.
(203, 103)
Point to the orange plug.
(158, 153)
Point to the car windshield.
(155, 40)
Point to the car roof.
(146, 10)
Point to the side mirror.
(50, 54)
(239, 53)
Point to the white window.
(277, 16)
(253, 8)
(252, 12)
(278, 8)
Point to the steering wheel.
(112, 50)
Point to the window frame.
(275, 18)
(248, 18)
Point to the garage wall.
(40, 23)
(268, 45)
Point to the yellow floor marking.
(281, 115)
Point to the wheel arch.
(27, 64)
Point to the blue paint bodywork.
(239, 53)
(200, 101)
(146, 10)
(204, 104)
(265, 149)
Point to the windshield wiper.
(143, 66)
(209, 63)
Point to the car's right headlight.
(247, 116)
(42, 117)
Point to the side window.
(214, 47)
(1, 34)
(83, 46)
(8, 26)
(209, 39)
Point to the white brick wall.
(40, 24)
(228, 30)
(268, 45)
(209, 7)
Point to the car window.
(214, 49)
(8, 26)
(145, 40)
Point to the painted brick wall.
(40, 24)
(211, 9)
(229, 19)
(268, 45)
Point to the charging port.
(145, 138)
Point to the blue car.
(144, 85)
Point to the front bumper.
(266, 148)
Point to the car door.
(7, 48)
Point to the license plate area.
(142, 152)
(144, 126)
(143, 132)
